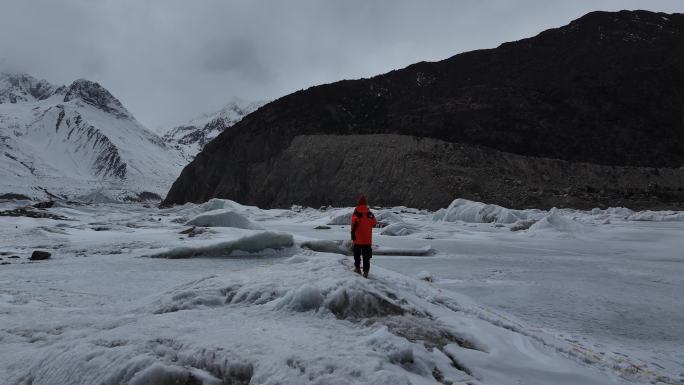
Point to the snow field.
(275, 306)
(269, 328)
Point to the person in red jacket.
(362, 224)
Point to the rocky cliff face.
(424, 172)
(602, 94)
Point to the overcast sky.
(170, 60)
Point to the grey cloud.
(93, 63)
(237, 55)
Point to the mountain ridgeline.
(589, 114)
(65, 142)
(191, 137)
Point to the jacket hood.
(362, 208)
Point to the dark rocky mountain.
(587, 114)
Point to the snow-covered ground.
(133, 295)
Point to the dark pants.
(367, 253)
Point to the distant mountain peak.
(232, 111)
(70, 140)
(20, 87)
(97, 96)
(190, 137)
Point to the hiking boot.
(365, 274)
(357, 270)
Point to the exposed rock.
(13, 196)
(44, 205)
(13, 256)
(38, 255)
(29, 212)
(322, 228)
(429, 173)
(425, 276)
(424, 329)
(191, 232)
(188, 231)
(518, 125)
(97, 96)
(149, 196)
(357, 303)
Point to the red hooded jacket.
(362, 224)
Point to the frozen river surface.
(621, 288)
(137, 295)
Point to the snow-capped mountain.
(75, 140)
(17, 88)
(189, 138)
